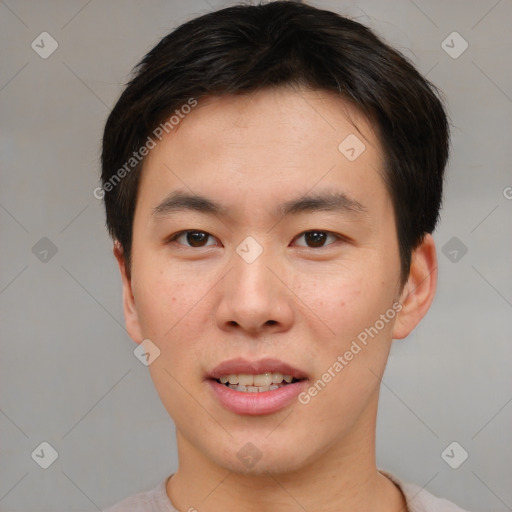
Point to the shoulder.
(420, 500)
(154, 500)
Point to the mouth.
(261, 373)
(257, 387)
(247, 383)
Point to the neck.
(343, 478)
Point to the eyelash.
(174, 237)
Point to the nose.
(255, 298)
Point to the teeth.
(263, 379)
(244, 379)
(277, 378)
(259, 381)
(255, 389)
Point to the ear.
(419, 291)
(131, 316)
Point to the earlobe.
(418, 293)
(129, 307)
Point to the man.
(272, 175)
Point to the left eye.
(316, 238)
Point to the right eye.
(191, 238)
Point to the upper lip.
(240, 365)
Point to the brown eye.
(191, 238)
(196, 238)
(315, 238)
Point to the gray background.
(68, 374)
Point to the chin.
(260, 458)
(265, 467)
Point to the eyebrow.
(332, 201)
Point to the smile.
(246, 383)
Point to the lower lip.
(265, 402)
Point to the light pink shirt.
(156, 500)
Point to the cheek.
(166, 302)
(347, 303)
(338, 297)
(351, 360)
(172, 315)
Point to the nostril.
(271, 322)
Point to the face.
(289, 258)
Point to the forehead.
(265, 144)
(274, 119)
